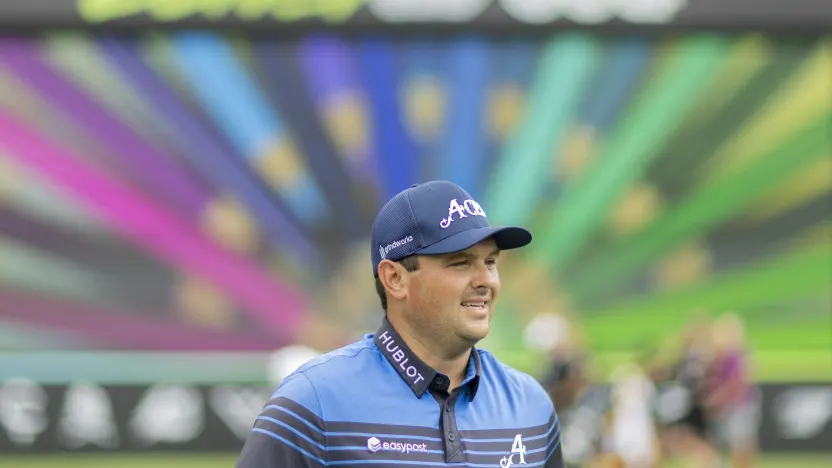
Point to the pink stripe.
(163, 234)
(119, 329)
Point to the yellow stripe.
(424, 106)
(346, 120)
(811, 183)
(280, 164)
(201, 303)
(11, 179)
(748, 57)
(818, 235)
(19, 99)
(803, 99)
(231, 225)
(505, 106)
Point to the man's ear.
(392, 276)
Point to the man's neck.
(452, 363)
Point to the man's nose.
(485, 279)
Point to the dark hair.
(410, 263)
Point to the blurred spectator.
(681, 405)
(733, 401)
(632, 434)
(581, 405)
(567, 375)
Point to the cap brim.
(506, 237)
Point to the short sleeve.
(289, 431)
(554, 454)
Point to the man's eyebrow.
(456, 255)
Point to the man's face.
(451, 296)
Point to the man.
(417, 391)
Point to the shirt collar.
(416, 373)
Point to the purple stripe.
(211, 154)
(328, 65)
(160, 171)
(156, 229)
(326, 62)
(121, 329)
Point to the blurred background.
(187, 190)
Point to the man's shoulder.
(340, 361)
(507, 376)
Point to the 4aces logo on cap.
(468, 207)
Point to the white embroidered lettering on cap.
(468, 207)
(384, 250)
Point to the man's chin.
(475, 333)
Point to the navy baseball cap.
(436, 217)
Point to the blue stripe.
(517, 61)
(227, 92)
(478, 452)
(293, 430)
(617, 80)
(213, 155)
(398, 165)
(401, 436)
(503, 452)
(463, 143)
(297, 416)
(424, 463)
(421, 60)
(400, 462)
(385, 436)
(357, 434)
(364, 447)
(304, 452)
(233, 99)
(398, 436)
(554, 447)
(511, 439)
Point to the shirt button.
(439, 380)
(451, 436)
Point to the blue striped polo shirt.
(374, 403)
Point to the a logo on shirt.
(374, 445)
(517, 448)
(467, 208)
(383, 250)
(401, 358)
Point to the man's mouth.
(475, 305)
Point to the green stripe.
(634, 143)
(769, 282)
(768, 366)
(136, 367)
(78, 57)
(715, 123)
(18, 337)
(566, 66)
(709, 206)
(28, 268)
(45, 201)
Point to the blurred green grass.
(225, 460)
(137, 460)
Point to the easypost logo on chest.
(374, 445)
(401, 358)
(467, 208)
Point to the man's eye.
(460, 263)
